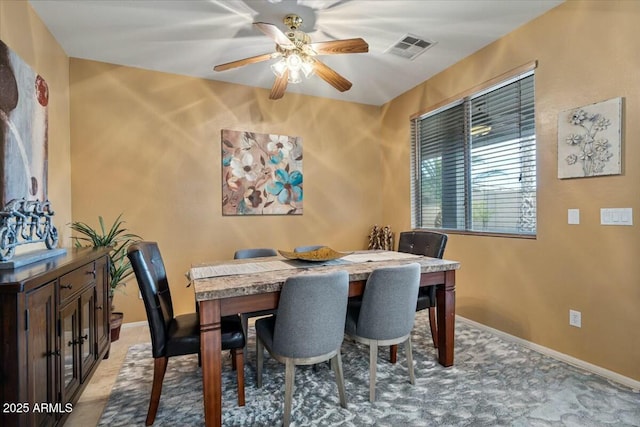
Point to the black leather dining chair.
(175, 335)
(431, 244)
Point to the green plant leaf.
(117, 237)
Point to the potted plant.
(118, 238)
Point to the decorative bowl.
(324, 253)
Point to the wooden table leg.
(446, 300)
(393, 353)
(211, 354)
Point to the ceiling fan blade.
(241, 62)
(276, 34)
(340, 46)
(279, 86)
(330, 76)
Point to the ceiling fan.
(298, 56)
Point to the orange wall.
(22, 30)
(148, 144)
(587, 52)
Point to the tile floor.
(89, 408)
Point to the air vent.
(410, 46)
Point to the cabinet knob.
(99, 307)
(93, 273)
(80, 340)
(66, 286)
(53, 353)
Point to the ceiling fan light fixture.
(279, 67)
(294, 62)
(294, 76)
(307, 68)
(296, 56)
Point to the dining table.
(237, 286)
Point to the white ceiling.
(189, 37)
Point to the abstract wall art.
(261, 174)
(590, 140)
(24, 97)
(25, 213)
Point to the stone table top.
(238, 277)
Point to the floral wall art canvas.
(590, 140)
(261, 174)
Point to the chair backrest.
(307, 248)
(427, 243)
(254, 253)
(151, 276)
(389, 302)
(311, 314)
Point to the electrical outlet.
(575, 318)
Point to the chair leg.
(393, 353)
(159, 369)
(336, 364)
(238, 362)
(434, 326)
(259, 361)
(409, 352)
(288, 390)
(373, 363)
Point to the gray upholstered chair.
(253, 253)
(175, 335)
(307, 248)
(308, 328)
(386, 314)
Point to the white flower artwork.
(590, 140)
(261, 174)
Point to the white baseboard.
(134, 324)
(605, 373)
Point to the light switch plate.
(573, 216)
(616, 216)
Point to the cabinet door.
(70, 360)
(103, 329)
(41, 356)
(87, 338)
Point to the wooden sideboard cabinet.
(54, 330)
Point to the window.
(474, 162)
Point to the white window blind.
(474, 162)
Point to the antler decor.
(381, 238)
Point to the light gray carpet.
(492, 383)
